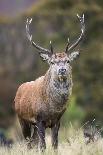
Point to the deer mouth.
(61, 83)
(62, 78)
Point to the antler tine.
(67, 45)
(51, 47)
(81, 19)
(28, 22)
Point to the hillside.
(13, 8)
(52, 20)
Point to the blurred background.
(53, 20)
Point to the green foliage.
(56, 20)
(74, 113)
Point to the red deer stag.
(40, 104)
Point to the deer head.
(60, 63)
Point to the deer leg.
(41, 133)
(35, 136)
(26, 130)
(54, 134)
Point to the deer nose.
(62, 71)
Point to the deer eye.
(68, 61)
(52, 62)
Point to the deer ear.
(44, 56)
(73, 55)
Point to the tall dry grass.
(71, 142)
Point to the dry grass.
(71, 142)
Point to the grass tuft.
(71, 142)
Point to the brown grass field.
(71, 142)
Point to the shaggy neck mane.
(58, 91)
(55, 83)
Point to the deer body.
(40, 104)
(41, 98)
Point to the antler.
(81, 19)
(43, 50)
(51, 47)
(67, 45)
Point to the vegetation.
(54, 20)
(71, 142)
